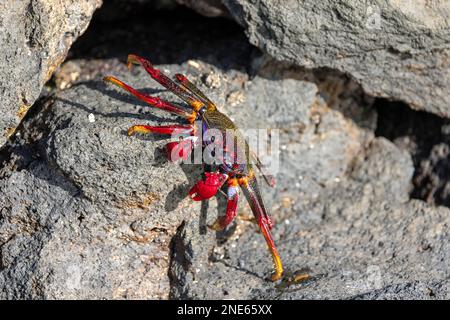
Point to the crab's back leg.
(251, 191)
(184, 82)
(165, 81)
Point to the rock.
(354, 239)
(88, 212)
(427, 138)
(393, 49)
(34, 39)
(433, 177)
(118, 202)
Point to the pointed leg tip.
(130, 131)
(216, 226)
(113, 80)
(132, 59)
(276, 276)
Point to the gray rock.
(88, 212)
(392, 48)
(355, 239)
(433, 177)
(34, 39)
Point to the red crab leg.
(177, 129)
(184, 81)
(165, 81)
(251, 190)
(153, 101)
(175, 150)
(233, 197)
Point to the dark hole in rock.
(427, 138)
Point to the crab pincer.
(207, 187)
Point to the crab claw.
(177, 150)
(207, 188)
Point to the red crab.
(203, 114)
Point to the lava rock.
(88, 212)
(391, 48)
(355, 240)
(35, 37)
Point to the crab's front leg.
(175, 150)
(232, 197)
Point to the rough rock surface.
(88, 212)
(427, 138)
(376, 247)
(34, 39)
(395, 49)
(341, 208)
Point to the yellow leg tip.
(113, 80)
(278, 273)
(130, 131)
(191, 118)
(216, 226)
(301, 277)
(139, 129)
(132, 59)
(276, 276)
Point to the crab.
(202, 114)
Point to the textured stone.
(358, 239)
(88, 212)
(34, 39)
(395, 49)
(117, 201)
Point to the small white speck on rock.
(91, 118)
(194, 64)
